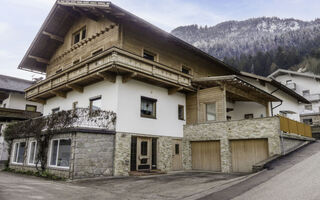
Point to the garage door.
(246, 153)
(206, 155)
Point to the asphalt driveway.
(180, 185)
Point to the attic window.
(79, 35)
(149, 55)
(185, 70)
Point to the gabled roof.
(65, 12)
(277, 84)
(13, 84)
(280, 72)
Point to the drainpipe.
(276, 105)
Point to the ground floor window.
(60, 153)
(32, 152)
(18, 155)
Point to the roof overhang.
(233, 81)
(65, 12)
(276, 84)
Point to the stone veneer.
(123, 152)
(91, 155)
(268, 128)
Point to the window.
(211, 111)
(306, 92)
(4, 105)
(288, 81)
(32, 152)
(177, 149)
(31, 108)
(185, 70)
(95, 103)
(79, 35)
(58, 71)
(148, 107)
(149, 55)
(181, 112)
(18, 156)
(248, 116)
(144, 148)
(74, 105)
(307, 121)
(55, 110)
(60, 153)
(308, 107)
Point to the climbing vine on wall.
(42, 129)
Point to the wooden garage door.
(246, 153)
(206, 155)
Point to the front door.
(144, 152)
(176, 155)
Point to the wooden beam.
(126, 78)
(59, 93)
(174, 90)
(53, 36)
(85, 13)
(39, 59)
(75, 87)
(108, 77)
(42, 101)
(245, 94)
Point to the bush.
(42, 174)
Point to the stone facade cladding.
(91, 155)
(123, 152)
(268, 128)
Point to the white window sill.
(58, 167)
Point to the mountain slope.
(231, 39)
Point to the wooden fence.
(290, 126)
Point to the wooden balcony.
(7, 114)
(105, 66)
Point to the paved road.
(183, 185)
(294, 177)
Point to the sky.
(21, 19)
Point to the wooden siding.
(101, 34)
(206, 155)
(168, 53)
(246, 153)
(290, 126)
(191, 108)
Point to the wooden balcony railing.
(12, 114)
(116, 61)
(290, 126)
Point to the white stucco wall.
(245, 107)
(18, 101)
(125, 100)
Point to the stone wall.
(123, 152)
(290, 142)
(228, 130)
(93, 155)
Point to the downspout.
(276, 105)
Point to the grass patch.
(45, 174)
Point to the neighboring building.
(306, 84)
(164, 92)
(290, 103)
(14, 106)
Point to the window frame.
(179, 117)
(248, 116)
(305, 107)
(16, 149)
(303, 91)
(34, 154)
(50, 155)
(92, 99)
(155, 55)
(186, 68)
(206, 111)
(33, 106)
(154, 105)
(80, 32)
